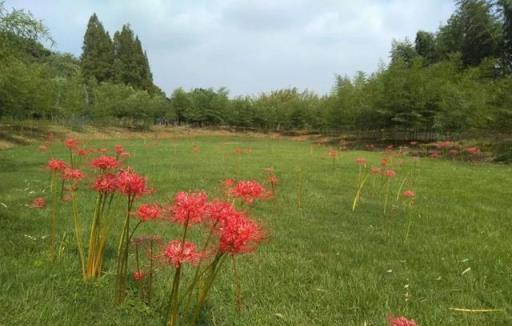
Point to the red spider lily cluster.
(39, 202)
(448, 149)
(105, 162)
(228, 231)
(401, 321)
(249, 191)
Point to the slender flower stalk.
(132, 186)
(409, 203)
(55, 167)
(388, 174)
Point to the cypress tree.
(131, 65)
(97, 56)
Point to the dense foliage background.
(455, 79)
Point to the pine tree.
(97, 56)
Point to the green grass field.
(322, 264)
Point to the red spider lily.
(105, 183)
(239, 235)
(409, 193)
(130, 183)
(401, 321)
(148, 212)
(218, 212)
(104, 162)
(384, 161)
(176, 253)
(333, 153)
(228, 183)
(444, 144)
(472, 150)
(72, 174)
(189, 208)
(361, 161)
(82, 152)
(390, 173)
(119, 149)
(43, 148)
(71, 143)
(56, 165)
(38, 202)
(249, 191)
(138, 276)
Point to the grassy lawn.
(322, 264)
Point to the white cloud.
(249, 46)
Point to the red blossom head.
(72, 174)
(218, 212)
(148, 212)
(384, 161)
(472, 150)
(82, 152)
(105, 183)
(119, 149)
(56, 165)
(401, 321)
(189, 208)
(130, 183)
(443, 144)
(104, 162)
(71, 143)
(409, 193)
(228, 183)
(249, 191)
(333, 153)
(239, 235)
(176, 253)
(361, 161)
(139, 276)
(390, 173)
(38, 202)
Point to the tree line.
(455, 79)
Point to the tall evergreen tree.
(473, 31)
(97, 56)
(505, 7)
(425, 46)
(131, 65)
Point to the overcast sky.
(248, 46)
